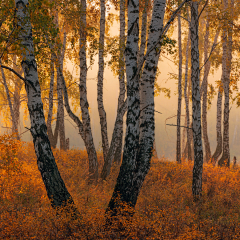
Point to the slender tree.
(101, 110)
(196, 104)
(56, 189)
(186, 97)
(178, 152)
(14, 122)
(227, 62)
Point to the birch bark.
(123, 188)
(121, 78)
(52, 137)
(14, 123)
(56, 189)
(60, 96)
(92, 155)
(178, 152)
(204, 87)
(196, 105)
(227, 45)
(101, 110)
(204, 92)
(16, 95)
(186, 97)
(218, 150)
(137, 155)
(115, 150)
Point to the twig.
(178, 126)
(202, 9)
(213, 47)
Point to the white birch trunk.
(60, 96)
(121, 77)
(227, 46)
(196, 105)
(204, 93)
(178, 152)
(186, 97)
(56, 189)
(101, 110)
(17, 94)
(92, 155)
(115, 150)
(135, 167)
(204, 90)
(52, 137)
(218, 150)
(14, 123)
(123, 188)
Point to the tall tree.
(178, 152)
(101, 110)
(227, 62)
(218, 150)
(56, 189)
(186, 97)
(93, 163)
(14, 122)
(124, 185)
(60, 114)
(115, 150)
(138, 144)
(196, 104)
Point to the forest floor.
(164, 210)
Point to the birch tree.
(101, 110)
(56, 189)
(227, 60)
(138, 144)
(186, 97)
(196, 104)
(115, 149)
(178, 152)
(14, 122)
(218, 150)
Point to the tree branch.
(25, 80)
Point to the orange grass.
(164, 210)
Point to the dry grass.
(165, 209)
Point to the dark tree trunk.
(196, 105)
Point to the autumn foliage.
(164, 210)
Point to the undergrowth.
(164, 210)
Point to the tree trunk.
(116, 139)
(178, 152)
(101, 110)
(138, 149)
(196, 105)
(51, 136)
(218, 150)
(56, 189)
(204, 88)
(186, 96)
(115, 150)
(60, 96)
(124, 181)
(14, 122)
(227, 55)
(17, 94)
(92, 155)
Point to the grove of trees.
(37, 40)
